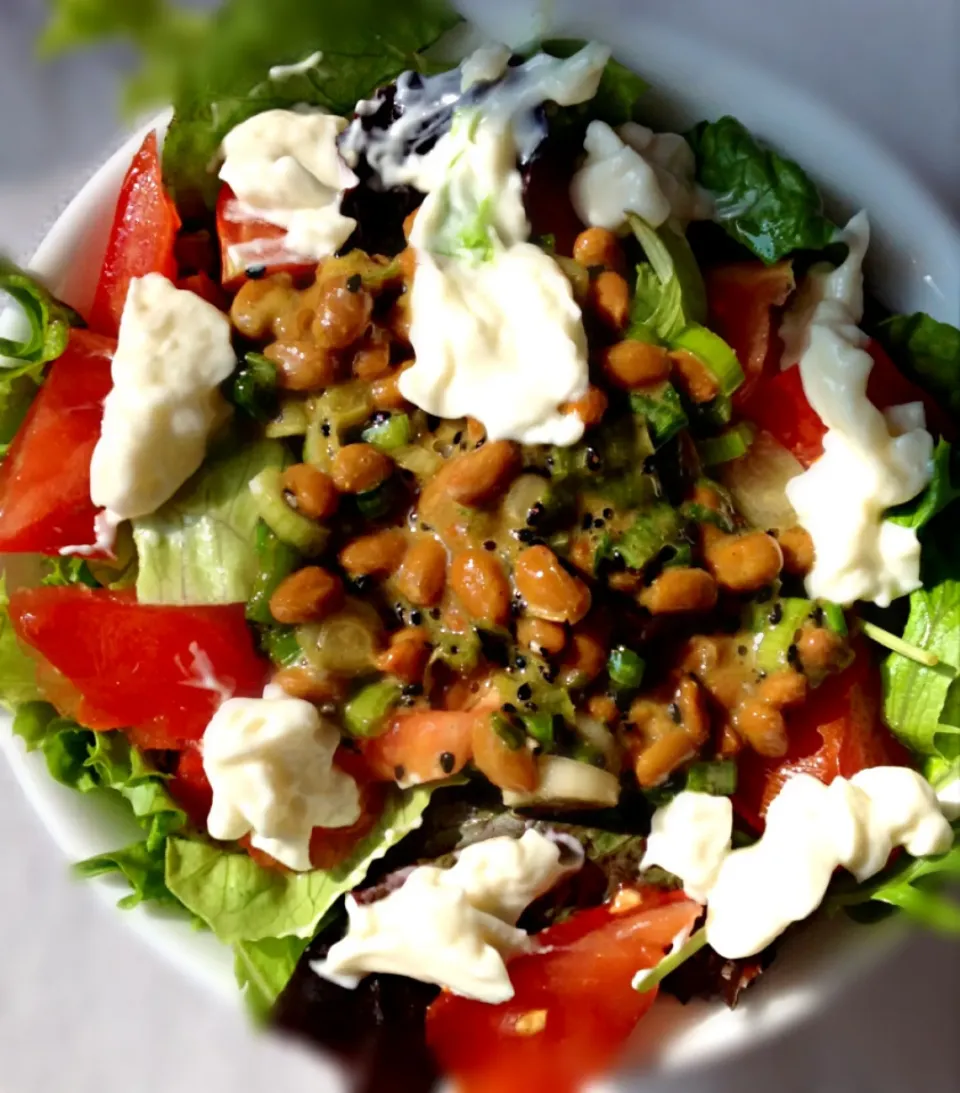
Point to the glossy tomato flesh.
(142, 238)
(159, 671)
(573, 1007)
(45, 479)
(265, 243)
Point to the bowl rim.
(771, 1008)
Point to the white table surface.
(83, 1005)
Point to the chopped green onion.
(540, 726)
(289, 527)
(727, 446)
(365, 713)
(254, 388)
(647, 979)
(281, 645)
(625, 668)
(389, 434)
(898, 645)
(662, 411)
(376, 503)
(834, 617)
(714, 353)
(718, 778)
(277, 560)
(49, 320)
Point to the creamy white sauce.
(811, 830)
(453, 927)
(690, 837)
(867, 467)
(284, 72)
(484, 65)
(636, 170)
(284, 168)
(948, 795)
(173, 352)
(270, 765)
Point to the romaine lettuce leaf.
(942, 490)
(928, 352)
(670, 293)
(200, 547)
(761, 199)
(242, 901)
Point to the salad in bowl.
(497, 552)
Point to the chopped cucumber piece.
(291, 419)
(289, 527)
(730, 445)
(254, 388)
(365, 713)
(775, 625)
(714, 353)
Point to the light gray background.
(83, 1005)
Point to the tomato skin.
(45, 479)
(741, 298)
(133, 664)
(202, 284)
(235, 229)
(574, 1006)
(837, 732)
(190, 787)
(142, 238)
(415, 740)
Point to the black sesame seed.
(776, 614)
(536, 511)
(793, 656)
(489, 545)
(399, 611)
(530, 707)
(594, 461)
(524, 692)
(415, 618)
(674, 711)
(325, 428)
(399, 772)
(256, 273)
(457, 437)
(454, 649)
(508, 707)
(447, 762)
(762, 673)
(525, 535)
(741, 650)
(412, 689)
(608, 514)
(435, 613)
(548, 673)
(354, 283)
(816, 615)
(521, 663)
(598, 523)
(587, 522)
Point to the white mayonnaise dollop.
(870, 461)
(636, 170)
(270, 765)
(173, 352)
(811, 830)
(452, 927)
(284, 167)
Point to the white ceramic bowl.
(914, 265)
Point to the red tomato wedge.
(142, 238)
(159, 671)
(245, 242)
(45, 479)
(741, 298)
(780, 406)
(835, 733)
(412, 746)
(574, 1006)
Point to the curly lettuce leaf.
(200, 547)
(763, 200)
(18, 670)
(140, 866)
(48, 322)
(928, 352)
(263, 968)
(620, 88)
(241, 901)
(916, 696)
